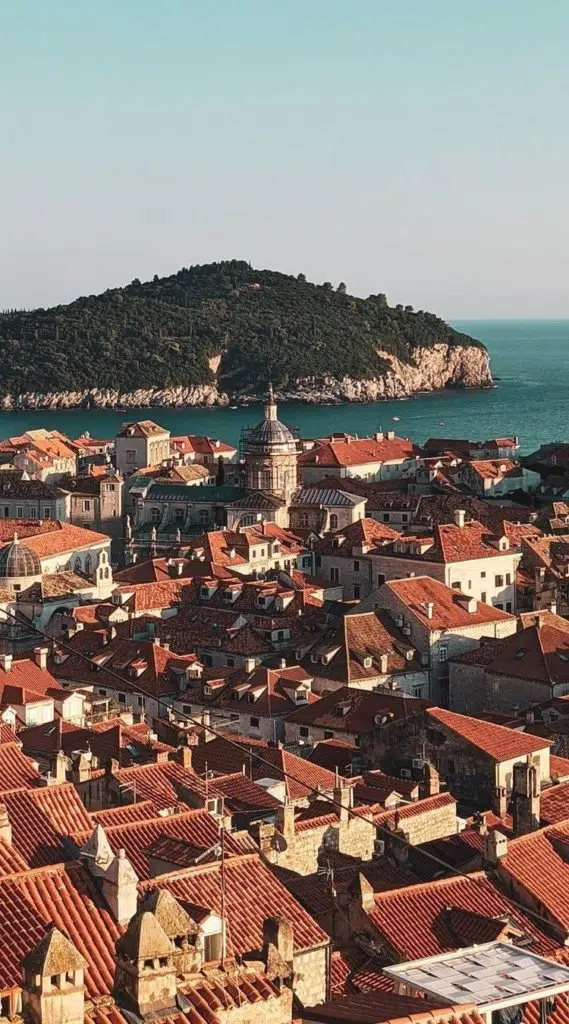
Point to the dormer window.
(368, 662)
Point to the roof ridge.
(439, 883)
(207, 867)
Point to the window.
(86, 506)
(304, 519)
(6, 511)
(141, 702)
(306, 562)
(356, 566)
(33, 513)
(483, 575)
(404, 517)
(450, 766)
(207, 660)
(19, 512)
(483, 597)
(122, 698)
(155, 515)
(304, 732)
(386, 517)
(499, 581)
(380, 579)
(130, 456)
(254, 723)
(204, 516)
(231, 662)
(508, 579)
(508, 606)
(443, 652)
(357, 590)
(186, 709)
(334, 575)
(333, 521)
(417, 691)
(78, 564)
(179, 515)
(328, 734)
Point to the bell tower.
(271, 455)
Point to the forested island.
(219, 332)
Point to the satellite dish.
(279, 843)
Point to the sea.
(530, 399)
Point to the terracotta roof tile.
(352, 711)
(16, 769)
(66, 538)
(450, 606)
(252, 893)
(496, 741)
(537, 863)
(425, 806)
(358, 452)
(221, 756)
(41, 819)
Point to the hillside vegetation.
(265, 325)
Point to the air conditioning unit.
(418, 762)
(406, 773)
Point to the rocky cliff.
(434, 368)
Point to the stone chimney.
(180, 928)
(58, 771)
(285, 819)
(40, 657)
(361, 890)
(500, 804)
(97, 852)
(495, 846)
(81, 767)
(5, 826)
(396, 845)
(145, 977)
(6, 662)
(54, 981)
(430, 784)
(526, 799)
(459, 517)
(343, 799)
(119, 887)
(184, 755)
(278, 932)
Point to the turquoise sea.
(529, 358)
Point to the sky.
(413, 147)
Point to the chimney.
(430, 784)
(58, 771)
(145, 977)
(185, 756)
(285, 819)
(361, 890)
(430, 609)
(81, 768)
(526, 799)
(282, 663)
(479, 824)
(278, 932)
(553, 607)
(343, 798)
(40, 657)
(249, 665)
(6, 662)
(53, 991)
(383, 664)
(495, 846)
(119, 887)
(459, 517)
(500, 804)
(5, 826)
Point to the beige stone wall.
(355, 837)
(311, 976)
(430, 825)
(276, 1010)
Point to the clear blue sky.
(415, 147)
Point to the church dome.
(270, 434)
(16, 559)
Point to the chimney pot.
(459, 517)
(40, 657)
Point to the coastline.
(435, 369)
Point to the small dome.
(270, 432)
(16, 559)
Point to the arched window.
(78, 564)
(333, 521)
(103, 557)
(88, 565)
(107, 573)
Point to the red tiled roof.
(10, 860)
(41, 819)
(381, 1007)
(450, 611)
(252, 893)
(141, 811)
(157, 662)
(498, 742)
(332, 754)
(67, 897)
(358, 451)
(65, 537)
(559, 768)
(16, 770)
(244, 796)
(425, 806)
(416, 922)
(353, 711)
(148, 596)
(196, 827)
(303, 776)
(537, 863)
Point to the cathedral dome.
(271, 435)
(16, 559)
